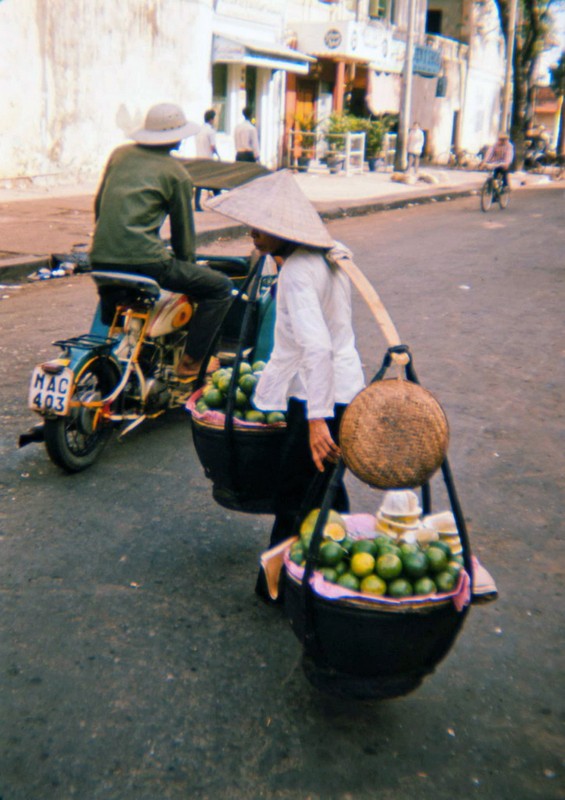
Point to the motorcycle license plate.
(51, 393)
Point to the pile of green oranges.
(215, 394)
(381, 567)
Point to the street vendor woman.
(314, 370)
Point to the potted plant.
(304, 140)
(337, 127)
(375, 130)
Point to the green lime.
(329, 574)
(217, 376)
(214, 398)
(424, 586)
(330, 553)
(387, 546)
(373, 585)
(296, 555)
(247, 384)
(341, 567)
(364, 546)
(274, 417)
(459, 559)
(415, 564)
(201, 406)
(244, 368)
(388, 566)
(454, 567)
(445, 547)
(362, 564)
(436, 558)
(445, 581)
(347, 544)
(238, 414)
(400, 588)
(406, 548)
(224, 383)
(241, 399)
(349, 581)
(258, 366)
(254, 416)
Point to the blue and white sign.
(427, 61)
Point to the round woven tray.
(394, 435)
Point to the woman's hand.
(322, 446)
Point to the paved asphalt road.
(137, 663)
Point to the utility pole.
(505, 118)
(404, 121)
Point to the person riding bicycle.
(499, 157)
(141, 186)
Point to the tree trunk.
(561, 139)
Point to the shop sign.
(427, 61)
(370, 42)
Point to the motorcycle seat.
(139, 284)
(118, 288)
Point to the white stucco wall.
(77, 75)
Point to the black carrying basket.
(361, 650)
(242, 463)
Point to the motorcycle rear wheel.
(73, 442)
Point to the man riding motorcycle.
(141, 186)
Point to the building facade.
(77, 77)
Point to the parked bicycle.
(494, 190)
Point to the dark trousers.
(209, 289)
(245, 155)
(297, 471)
(501, 172)
(198, 194)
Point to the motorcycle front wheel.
(74, 442)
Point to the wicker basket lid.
(394, 435)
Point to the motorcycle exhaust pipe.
(35, 434)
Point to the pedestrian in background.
(415, 147)
(206, 148)
(246, 139)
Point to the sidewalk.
(37, 221)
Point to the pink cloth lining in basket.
(219, 418)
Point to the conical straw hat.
(275, 204)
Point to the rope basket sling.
(394, 434)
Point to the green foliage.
(375, 129)
(305, 141)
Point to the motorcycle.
(122, 372)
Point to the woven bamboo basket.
(394, 435)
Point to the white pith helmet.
(165, 123)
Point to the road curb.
(21, 267)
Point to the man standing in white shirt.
(246, 139)
(206, 148)
(415, 147)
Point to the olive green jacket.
(140, 187)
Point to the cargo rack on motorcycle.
(88, 341)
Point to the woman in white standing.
(314, 370)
